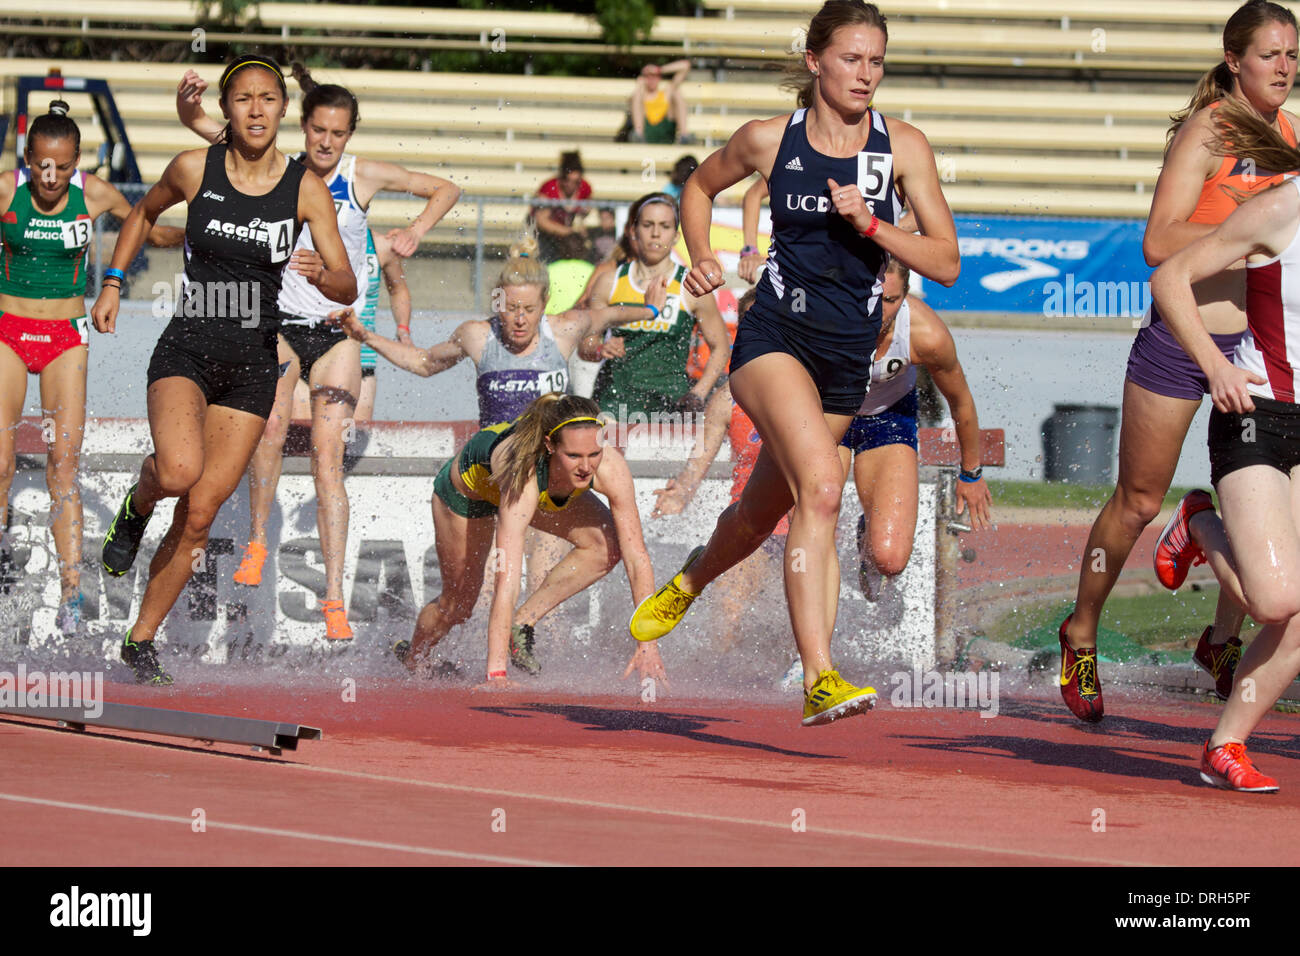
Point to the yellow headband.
(251, 63)
(570, 421)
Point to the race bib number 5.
(875, 174)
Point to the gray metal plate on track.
(267, 734)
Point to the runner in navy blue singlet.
(838, 172)
(212, 378)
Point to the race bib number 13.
(75, 233)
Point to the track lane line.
(273, 831)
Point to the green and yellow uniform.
(651, 375)
(474, 465)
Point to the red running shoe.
(1219, 661)
(1080, 686)
(1229, 768)
(1176, 552)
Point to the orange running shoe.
(1080, 685)
(1229, 768)
(250, 568)
(336, 621)
(1176, 552)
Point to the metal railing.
(135, 191)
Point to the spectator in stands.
(658, 113)
(555, 222)
(605, 237)
(682, 170)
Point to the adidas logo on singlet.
(795, 165)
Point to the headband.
(269, 66)
(570, 421)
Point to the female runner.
(1254, 434)
(50, 208)
(1198, 188)
(213, 375)
(534, 471)
(838, 171)
(318, 353)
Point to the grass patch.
(1059, 494)
(1155, 628)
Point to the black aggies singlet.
(236, 250)
(223, 335)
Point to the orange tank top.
(1235, 178)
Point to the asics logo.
(209, 194)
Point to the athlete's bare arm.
(328, 267)
(513, 518)
(714, 329)
(373, 176)
(932, 346)
(751, 209)
(673, 497)
(189, 107)
(104, 197)
(466, 342)
(752, 148)
(933, 253)
(1188, 165)
(1262, 226)
(572, 326)
(179, 183)
(613, 479)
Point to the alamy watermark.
(1087, 299)
(182, 298)
(972, 689)
(81, 690)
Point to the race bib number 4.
(279, 235)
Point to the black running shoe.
(521, 649)
(124, 536)
(8, 571)
(142, 659)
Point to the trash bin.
(1079, 444)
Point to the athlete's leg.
(886, 479)
(1207, 531)
(13, 395)
(63, 398)
(335, 383)
(301, 401)
(228, 437)
(678, 111)
(1152, 429)
(268, 460)
(588, 525)
(463, 546)
(799, 453)
(542, 552)
(1253, 500)
(366, 406)
(176, 420)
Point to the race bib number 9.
(76, 233)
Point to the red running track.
(419, 776)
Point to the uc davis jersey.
(822, 277)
